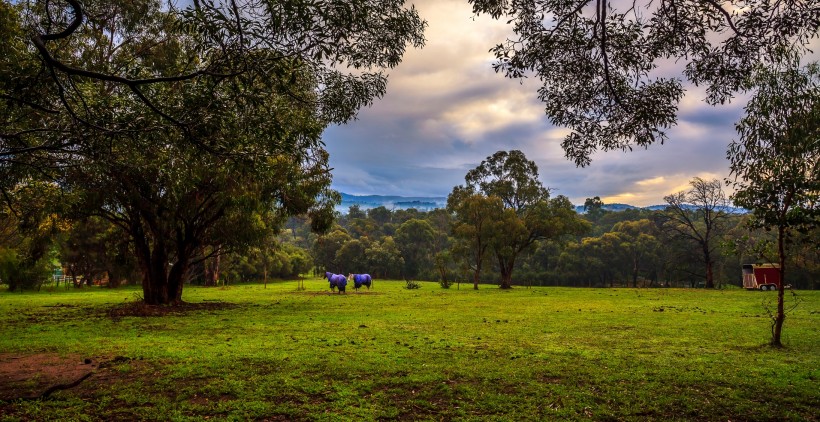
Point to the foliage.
(30, 232)
(93, 248)
(526, 213)
(385, 258)
(476, 216)
(414, 239)
(776, 161)
(698, 216)
(411, 284)
(599, 62)
(608, 254)
(326, 247)
(195, 129)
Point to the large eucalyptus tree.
(527, 215)
(190, 127)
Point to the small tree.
(476, 216)
(776, 161)
(639, 244)
(698, 216)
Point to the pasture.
(249, 353)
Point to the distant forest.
(622, 248)
(632, 247)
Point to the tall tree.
(384, 258)
(776, 161)
(639, 243)
(415, 238)
(528, 213)
(184, 125)
(598, 61)
(699, 216)
(326, 248)
(474, 226)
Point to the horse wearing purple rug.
(329, 277)
(336, 281)
(360, 280)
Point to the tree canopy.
(524, 215)
(776, 160)
(190, 128)
(603, 65)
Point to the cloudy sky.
(446, 110)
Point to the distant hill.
(366, 202)
(427, 203)
(621, 207)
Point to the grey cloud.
(417, 139)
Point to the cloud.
(446, 110)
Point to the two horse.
(338, 281)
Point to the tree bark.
(710, 281)
(162, 280)
(506, 266)
(212, 269)
(781, 315)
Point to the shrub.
(410, 285)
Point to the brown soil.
(30, 376)
(139, 309)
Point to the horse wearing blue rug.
(336, 281)
(360, 280)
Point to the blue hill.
(428, 203)
(366, 202)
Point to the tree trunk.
(506, 272)
(635, 273)
(781, 315)
(212, 268)
(477, 273)
(162, 281)
(710, 281)
(506, 280)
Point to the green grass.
(392, 353)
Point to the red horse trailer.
(761, 276)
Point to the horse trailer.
(761, 276)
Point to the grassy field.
(249, 353)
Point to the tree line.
(687, 244)
(501, 227)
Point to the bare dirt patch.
(33, 376)
(140, 309)
(328, 293)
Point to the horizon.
(344, 208)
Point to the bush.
(445, 284)
(410, 285)
(22, 273)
